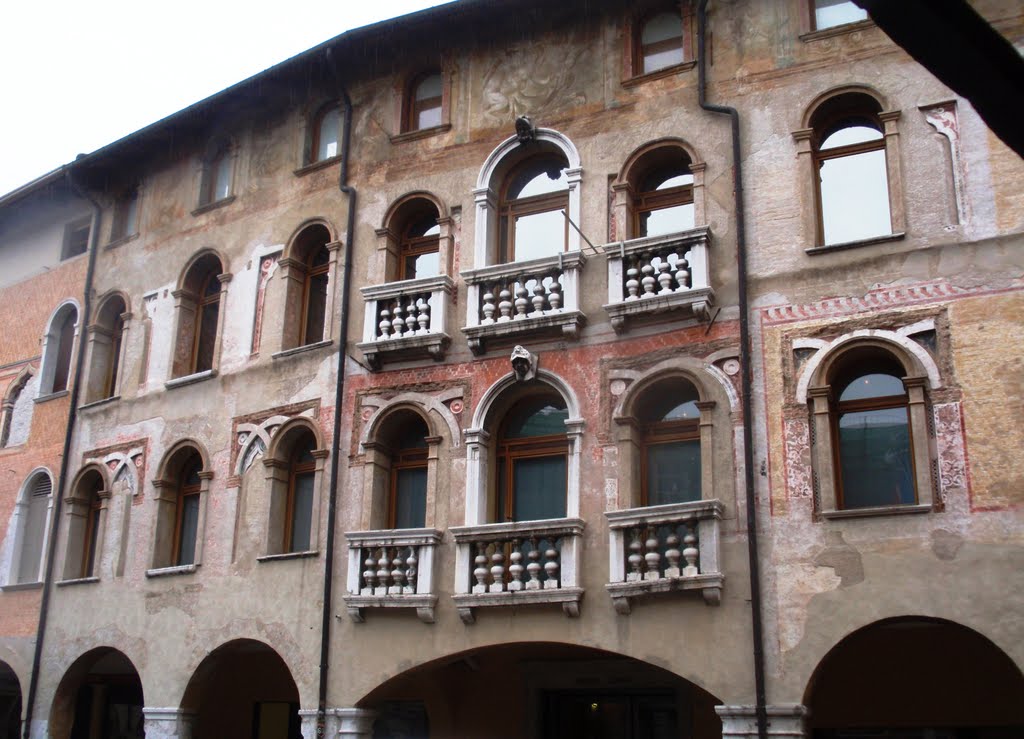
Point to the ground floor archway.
(543, 690)
(916, 678)
(10, 701)
(99, 697)
(243, 690)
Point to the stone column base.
(784, 721)
(350, 723)
(168, 723)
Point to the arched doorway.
(243, 690)
(543, 690)
(10, 702)
(99, 697)
(916, 678)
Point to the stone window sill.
(315, 166)
(77, 581)
(288, 555)
(301, 349)
(892, 510)
(122, 240)
(356, 605)
(97, 403)
(841, 30)
(15, 587)
(190, 379)
(51, 396)
(658, 74)
(421, 133)
(207, 207)
(170, 571)
(843, 246)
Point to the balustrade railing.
(513, 563)
(407, 318)
(392, 569)
(664, 548)
(658, 273)
(540, 294)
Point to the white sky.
(77, 75)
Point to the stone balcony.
(406, 320)
(392, 568)
(537, 297)
(659, 274)
(516, 564)
(666, 548)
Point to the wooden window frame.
(125, 219)
(640, 50)
(412, 107)
(414, 246)
(307, 294)
(204, 299)
(645, 203)
(295, 470)
(90, 540)
(509, 210)
(533, 447)
(114, 365)
(316, 133)
(184, 491)
(884, 402)
(811, 19)
(663, 432)
(821, 133)
(404, 459)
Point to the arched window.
(57, 350)
(325, 133)
(407, 504)
(301, 492)
(831, 13)
(186, 517)
(662, 192)
(34, 508)
(423, 102)
(872, 434)
(306, 272)
(198, 317)
(660, 42)
(534, 199)
(85, 516)
(670, 435)
(106, 337)
(419, 249)
(532, 460)
(849, 149)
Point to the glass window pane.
(422, 265)
(850, 135)
(302, 512)
(540, 183)
(539, 235)
(873, 386)
(90, 551)
(429, 117)
(544, 421)
(874, 451)
(411, 498)
(673, 472)
(829, 13)
(187, 532)
(668, 220)
(207, 337)
(656, 59)
(429, 87)
(327, 135)
(221, 178)
(539, 488)
(316, 308)
(855, 197)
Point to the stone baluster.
(682, 274)
(423, 309)
(397, 321)
(632, 280)
(498, 568)
(672, 554)
(383, 574)
(480, 573)
(652, 558)
(385, 323)
(369, 574)
(551, 567)
(515, 568)
(533, 568)
(539, 298)
(410, 571)
(665, 277)
(488, 308)
(648, 280)
(397, 574)
(410, 319)
(690, 552)
(521, 302)
(555, 295)
(505, 305)
(635, 559)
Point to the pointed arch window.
(532, 460)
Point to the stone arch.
(280, 442)
(492, 164)
(834, 92)
(394, 210)
(710, 385)
(431, 407)
(316, 221)
(11, 703)
(481, 416)
(166, 471)
(915, 672)
(114, 687)
(104, 301)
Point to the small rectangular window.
(125, 221)
(831, 13)
(76, 239)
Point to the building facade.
(457, 379)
